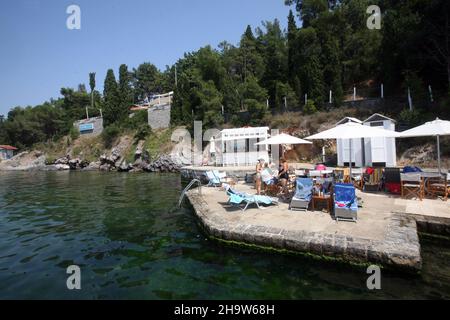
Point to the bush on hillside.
(109, 134)
(142, 132)
(74, 133)
(310, 107)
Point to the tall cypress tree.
(111, 98)
(252, 62)
(291, 37)
(125, 90)
(92, 86)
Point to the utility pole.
(431, 93)
(410, 100)
(176, 77)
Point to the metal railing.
(183, 193)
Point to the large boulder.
(63, 160)
(73, 163)
(125, 167)
(93, 166)
(62, 167)
(163, 164)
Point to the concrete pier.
(386, 233)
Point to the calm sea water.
(132, 242)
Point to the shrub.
(410, 118)
(137, 120)
(74, 133)
(109, 134)
(142, 132)
(310, 107)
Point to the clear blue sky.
(39, 55)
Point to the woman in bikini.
(283, 174)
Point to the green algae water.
(131, 241)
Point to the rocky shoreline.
(115, 161)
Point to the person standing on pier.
(258, 180)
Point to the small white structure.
(369, 151)
(343, 147)
(380, 151)
(237, 146)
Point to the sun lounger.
(303, 194)
(243, 200)
(345, 202)
(213, 180)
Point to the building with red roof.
(6, 152)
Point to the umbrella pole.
(439, 154)
(350, 159)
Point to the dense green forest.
(327, 46)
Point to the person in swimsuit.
(258, 180)
(283, 174)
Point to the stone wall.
(159, 117)
(97, 122)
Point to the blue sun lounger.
(303, 194)
(240, 199)
(345, 202)
(213, 180)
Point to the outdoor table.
(328, 199)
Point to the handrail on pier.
(183, 193)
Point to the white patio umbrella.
(434, 128)
(283, 139)
(352, 130)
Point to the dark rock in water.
(73, 164)
(163, 164)
(125, 167)
(105, 167)
(62, 167)
(83, 164)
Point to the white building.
(369, 151)
(380, 151)
(237, 146)
(343, 148)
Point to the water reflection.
(131, 241)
